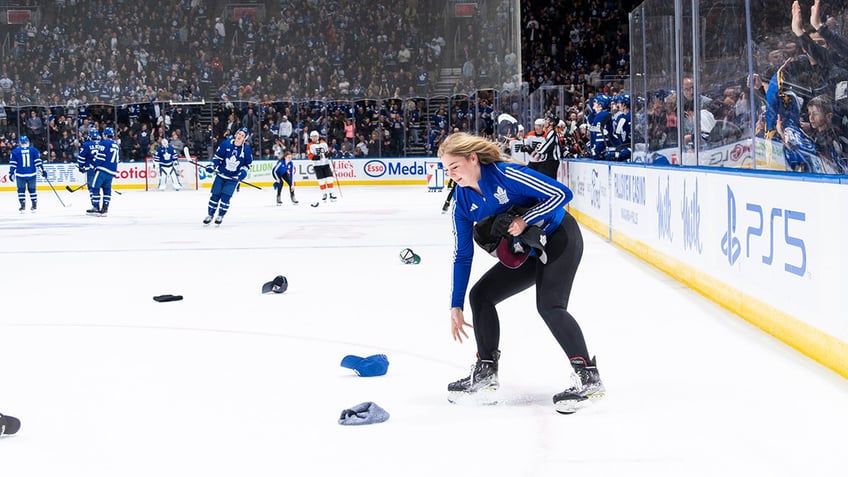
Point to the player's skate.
(22, 208)
(324, 197)
(94, 210)
(293, 199)
(207, 220)
(104, 210)
(333, 197)
(279, 201)
(34, 207)
(479, 386)
(219, 219)
(586, 388)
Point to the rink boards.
(766, 246)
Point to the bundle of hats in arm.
(491, 234)
(9, 425)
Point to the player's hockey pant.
(222, 192)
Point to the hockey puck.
(164, 298)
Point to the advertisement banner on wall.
(589, 181)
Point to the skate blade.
(483, 397)
(570, 406)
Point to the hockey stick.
(68, 188)
(54, 190)
(335, 177)
(446, 205)
(241, 182)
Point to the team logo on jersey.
(473, 208)
(500, 195)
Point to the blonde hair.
(463, 144)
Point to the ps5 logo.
(691, 215)
(765, 234)
(730, 246)
(664, 210)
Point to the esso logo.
(375, 168)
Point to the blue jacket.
(24, 161)
(229, 158)
(503, 185)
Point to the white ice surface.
(230, 382)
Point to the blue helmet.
(108, 132)
(24, 140)
(94, 134)
(602, 99)
(623, 98)
(245, 131)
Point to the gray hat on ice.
(10, 425)
(365, 413)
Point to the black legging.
(553, 287)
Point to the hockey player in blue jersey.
(24, 163)
(166, 157)
(105, 164)
(518, 214)
(85, 158)
(230, 165)
(600, 126)
(283, 171)
(620, 150)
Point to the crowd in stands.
(124, 64)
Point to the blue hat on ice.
(374, 365)
(365, 413)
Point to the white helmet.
(314, 134)
(164, 142)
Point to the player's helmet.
(624, 98)
(94, 134)
(314, 135)
(164, 142)
(108, 132)
(603, 100)
(24, 140)
(245, 131)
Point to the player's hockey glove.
(242, 174)
(11, 175)
(43, 173)
(210, 169)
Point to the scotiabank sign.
(134, 175)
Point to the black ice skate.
(483, 377)
(279, 201)
(22, 208)
(586, 388)
(293, 199)
(219, 219)
(104, 210)
(93, 211)
(324, 198)
(34, 206)
(207, 220)
(333, 197)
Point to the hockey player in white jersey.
(167, 159)
(318, 152)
